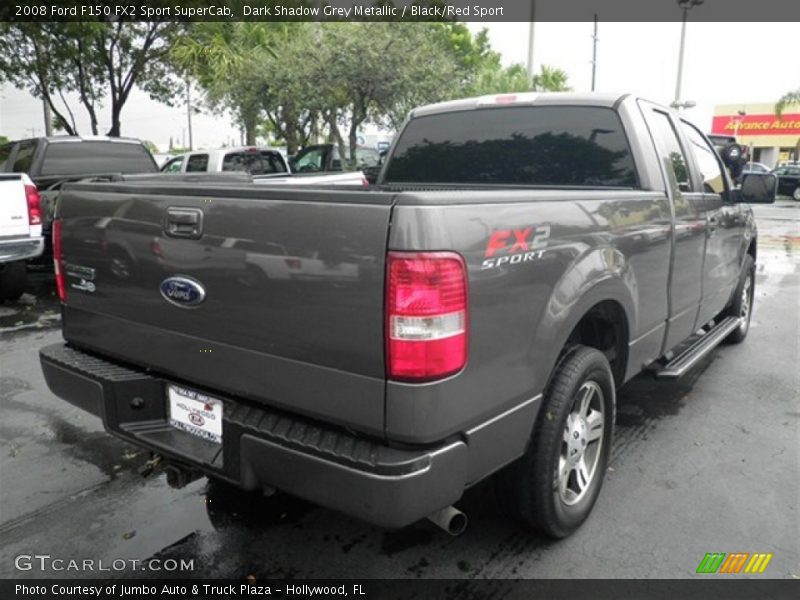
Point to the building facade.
(772, 140)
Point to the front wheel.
(742, 304)
(796, 193)
(555, 484)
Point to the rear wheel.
(554, 486)
(742, 304)
(796, 193)
(13, 277)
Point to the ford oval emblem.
(182, 291)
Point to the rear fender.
(600, 275)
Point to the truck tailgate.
(292, 313)
(13, 206)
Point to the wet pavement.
(710, 463)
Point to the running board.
(679, 365)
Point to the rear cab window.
(264, 162)
(95, 157)
(560, 146)
(708, 164)
(669, 146)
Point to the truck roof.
(522, 98)
(55, 139)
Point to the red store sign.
(788, 124)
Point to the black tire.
(529, 489)
(13, 277)
(731, 153)
(742, 303)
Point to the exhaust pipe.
(452, 520)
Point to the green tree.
(100, 61)
(550, 79)
(786, 100)
(219, 56)
(376, 72)
(4, 140)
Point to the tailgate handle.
(184, 223)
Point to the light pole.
(531, 31)
(686, 5)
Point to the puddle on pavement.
(36, 309)
(228, 506)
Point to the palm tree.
(788, 98)
(550, 79)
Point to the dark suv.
(789, 180)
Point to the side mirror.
(757, 188)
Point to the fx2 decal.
(515, 246)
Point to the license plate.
(195, 413)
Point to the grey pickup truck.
(378, 351)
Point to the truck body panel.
(275, 300)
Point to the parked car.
(788, 181)
(20, 231)
(51, 162)
(256, 160)
(755, 167)
(472, 315)
(266, 165)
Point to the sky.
(725, 63)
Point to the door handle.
(184, 223)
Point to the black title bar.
(402, 10)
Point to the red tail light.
(426, 315)
(364, 181)
(293, 263)
(34, 205)
(58, 261)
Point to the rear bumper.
(262, 448)
(21, 249)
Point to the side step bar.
(679, 365)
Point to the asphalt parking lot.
(710, 463)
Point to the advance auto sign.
(788, 124)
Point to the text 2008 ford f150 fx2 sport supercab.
(379, 351)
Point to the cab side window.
(197, 163)
(173, 166)
(669, 146)
(707, 161)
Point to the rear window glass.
(256, 163)
(73, 158)
(541, 145)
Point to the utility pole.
(594, 52)
(531, 28)
(189, 111)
